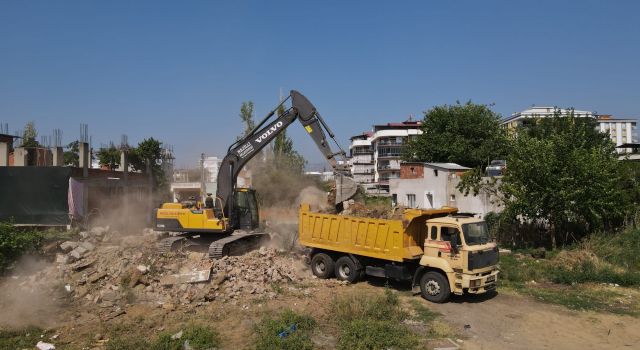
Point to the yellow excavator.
(231, 225)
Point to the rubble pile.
(102, 271)
(376, 211)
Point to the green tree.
(29, 135)
(564, 173)
(148, 156)
(284, 153)
(109, 157)
(246, 114)
(468, 134)
(71, 157)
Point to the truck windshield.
(476, 233)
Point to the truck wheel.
(346, 270)
(322, 265)
(434, 287)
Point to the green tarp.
(34, 195)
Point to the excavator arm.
(243, 150)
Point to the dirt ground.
(106, 299)
(508, 321)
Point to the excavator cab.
(246, 209)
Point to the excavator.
(231, 226)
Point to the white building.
(621, 131)
(433, 185)
(376, 155)
(361, 158)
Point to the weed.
(277, 333)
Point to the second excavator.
(231, 225)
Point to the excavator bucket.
(346, 188)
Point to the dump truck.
(439, 250)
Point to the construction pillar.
(20, 156)
(124, 164)
(58, 156)
(4, 154)
(84, 158)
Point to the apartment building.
(361, 158)
(376, 155)
(621, 131)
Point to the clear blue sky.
(179, 70)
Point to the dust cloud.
(32, 295)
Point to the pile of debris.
(375, 211)
(105, 271)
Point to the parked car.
(496, 168)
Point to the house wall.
(433, 191)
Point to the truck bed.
(394, 240)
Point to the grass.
(583, 297)
(286, 331)
(580, 277)
(372, 322)
(198, 338)
(21, 339)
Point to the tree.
(109, 157)
(564, 173)
(246, 114)
(29, 135)
(71, 157)
(468, 134)
(148, 156)
(284, 154)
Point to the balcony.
(388, 167)
(362, 151)
(390, 155)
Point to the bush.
(15, 241)
(269, 329)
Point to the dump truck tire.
(322, 266)
(346, 270)
(434, 287)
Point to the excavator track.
(166, 245)
(236, 244)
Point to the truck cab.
(457, 247)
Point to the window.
(411, 200)
(394, 199)
(452, 198)
(413, 170)
(447, 234)
(435, 172)
(434, 232)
